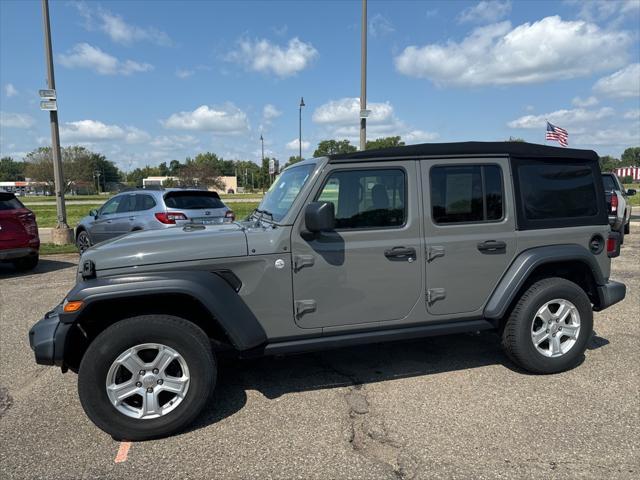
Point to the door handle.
(491, 247)
(132, 218)
(108, 221)
(401, 253)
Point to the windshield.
(278, 200)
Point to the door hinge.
(304, 306)
(434, 252)
(435, 294)
(301, 261)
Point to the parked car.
(618, 205)
(150, 210)
(370, 246)
(19, 240)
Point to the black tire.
(627, 228)
(181, 335)
(83, 241)
(26, 263)
(516, 336)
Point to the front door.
(102, 226)
(470, 232)
(370, 268)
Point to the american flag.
(558, 134)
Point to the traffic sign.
(50, 94)
(50, 105)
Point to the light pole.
(363, 78)
(300, 128)
(62, 234)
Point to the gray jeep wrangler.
(372, 246)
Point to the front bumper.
(47, 339)
(610, 294)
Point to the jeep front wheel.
(550, 326)
(147, 377)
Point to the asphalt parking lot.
(446, 407)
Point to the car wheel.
(147, 377)
(83, 241)
(627, 228)
(548, 330)
(26, 263)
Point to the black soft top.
(461, 149)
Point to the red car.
(19, 240)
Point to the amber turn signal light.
(71, 307)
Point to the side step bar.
(378, 336)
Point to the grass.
(51, 249)
(46, 214)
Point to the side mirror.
(631, 192)
(319, 217)
(93, 213)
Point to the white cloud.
(497, 54)
(293, 145)
(562, 118)
(487, 11)
(379, 26)
(122, 32)
(632, 114)
(117, 28)
(174, 142)
(624, 83)
(584, 102)
(266, 57)
(340, 119)
(184, 73)
(224, 119)
(16, 120)
(269, 112)
(601, 10)
(10, 90)
(625, 136)
(83, 55)
(96, 131)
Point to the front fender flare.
(525, 263)
(211, 290)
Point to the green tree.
(10, 170)
(332, 147)
(608, 163)
(630, 157)
(384, 142)
(292, 160)
(515, 139)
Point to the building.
(633, 172)
(230, 183)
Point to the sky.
(145, 82)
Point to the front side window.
(128, 204)
(366, 198)
(466, 193)
(283, 192)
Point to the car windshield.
(278, 200)
(609, 183)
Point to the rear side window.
(466, 194)
(366, 198)
(557, 193)
(9, 202)
(191, 200)
(144, 202)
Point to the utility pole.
(363, 78)
(62, 234)
(300, 129)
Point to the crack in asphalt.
(368, 434)
(5, 400)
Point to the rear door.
(199, 206)
(369, 269)
(470, 232)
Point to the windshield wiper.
(265, 212)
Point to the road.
(447, 407)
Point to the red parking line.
(123, 452)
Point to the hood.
(176, 244)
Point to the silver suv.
(150, 210)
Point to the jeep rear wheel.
(147, 377)
(548, 330)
